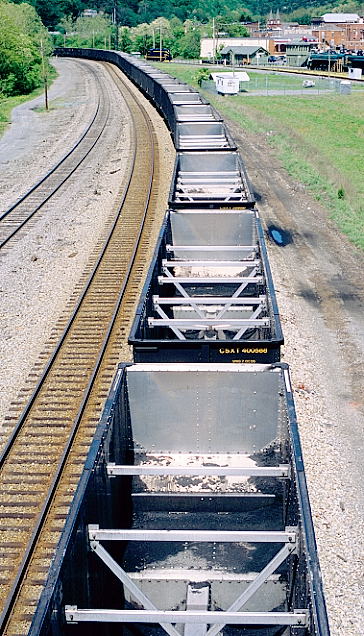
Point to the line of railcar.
(335, 61)
(192, 515)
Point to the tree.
(21, 36)
(189, 44)
(141, 38)
(125, 41)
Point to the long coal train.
(192, 514)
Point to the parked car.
(277, 59)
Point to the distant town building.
(339, 29)
(298, 51)
(341, 18)
(211, 46)
(243, 54)
(89, 13)
(331, 30)
(274, 22)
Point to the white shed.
(229, 83)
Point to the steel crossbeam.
(188, 191)
(298, 618)
(203, 137)
(201, 536)
(207, 280)
(224, 471)
(187, 144)
(210, 300)
(211, 248)
(209, 173)
(228, 181)
(179, 263)
(195, 117)
(201, 323)
(225, 196)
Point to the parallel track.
(16, 218)
(44, 457)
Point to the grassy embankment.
(318, 139)
(8, 103)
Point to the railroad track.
(44, 456)
(16, 219)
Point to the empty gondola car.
(210, 180)
(209, 293)
(192, 515)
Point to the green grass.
(318, 139)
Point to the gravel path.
(323, 328)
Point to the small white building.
(229, 83)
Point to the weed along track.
(43, 457)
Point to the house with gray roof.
(243, 54)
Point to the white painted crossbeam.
(214, 263)
(209, 280)
(191, 471)
(211, 248)
(75, 615)
(209, 300)
(201, 536)
(223, 323)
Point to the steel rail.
(53, 172)
(63, 459)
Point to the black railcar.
(209, 294)
(193, 497)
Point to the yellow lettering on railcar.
(235, 350)
(229, 351)
(244, 361)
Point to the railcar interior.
(210, 178)
(208, 528)
(208, 292)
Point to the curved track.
(16, 218)
(44, 456)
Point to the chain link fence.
(272, 84)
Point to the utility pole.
(115, 11)
(160, 42)
(329, 68)
(213, 40)
(44, 73)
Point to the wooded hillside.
(24, 47)
(134, 12)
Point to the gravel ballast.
(40, 273)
